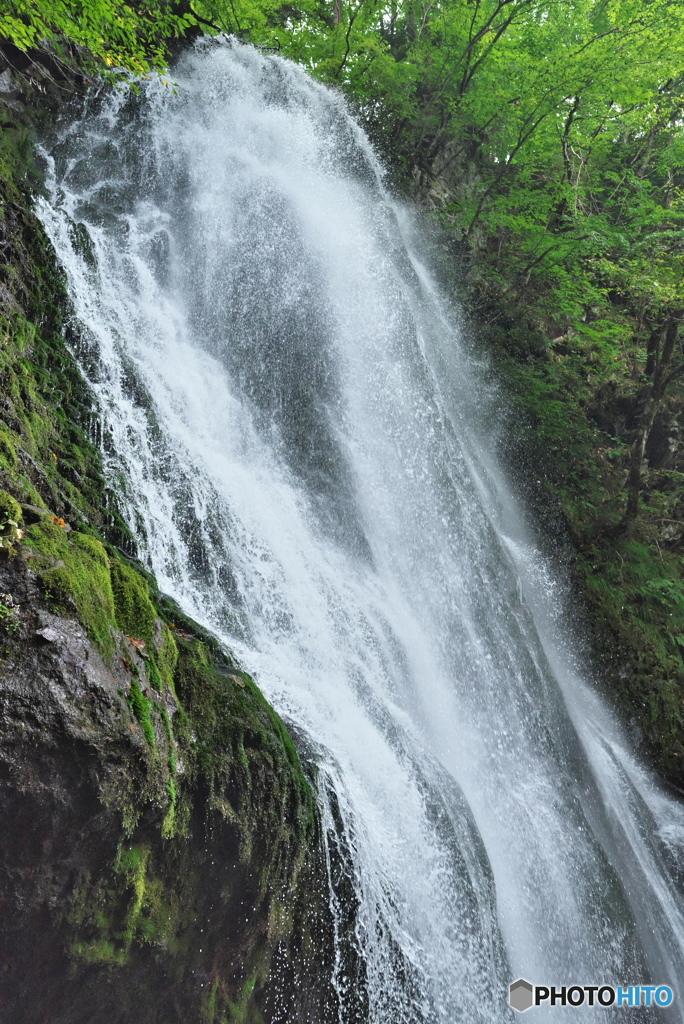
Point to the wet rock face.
(108, 913)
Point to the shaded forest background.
(547, 139)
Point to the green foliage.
(521, 124)
(669, 593)
(116, 34)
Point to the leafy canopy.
(116, 34)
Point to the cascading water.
(289, 410)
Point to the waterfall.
(303, 441)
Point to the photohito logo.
(523, 995)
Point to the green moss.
(45, 456)
(8, 451)
(169, 825)
(135, 613)
(132, 864)
(244, 1010)
(167, 656)
(99, 951)
(77, 575)
(10, 509)
(142, 709)
(232, 740)
(74, 571)
(126, 906)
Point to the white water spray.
(288, 408)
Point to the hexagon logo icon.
(520, 995)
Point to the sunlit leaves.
(116, 34)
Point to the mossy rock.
(10, 509)
(180, 867)
(74, 571)
(135, 613)
(8, 450)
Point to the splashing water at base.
(298, 430)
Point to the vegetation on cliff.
(162, 844)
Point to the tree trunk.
(636, 461)
(660, 356)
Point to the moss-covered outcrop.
(161, 854)
(160, 842)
